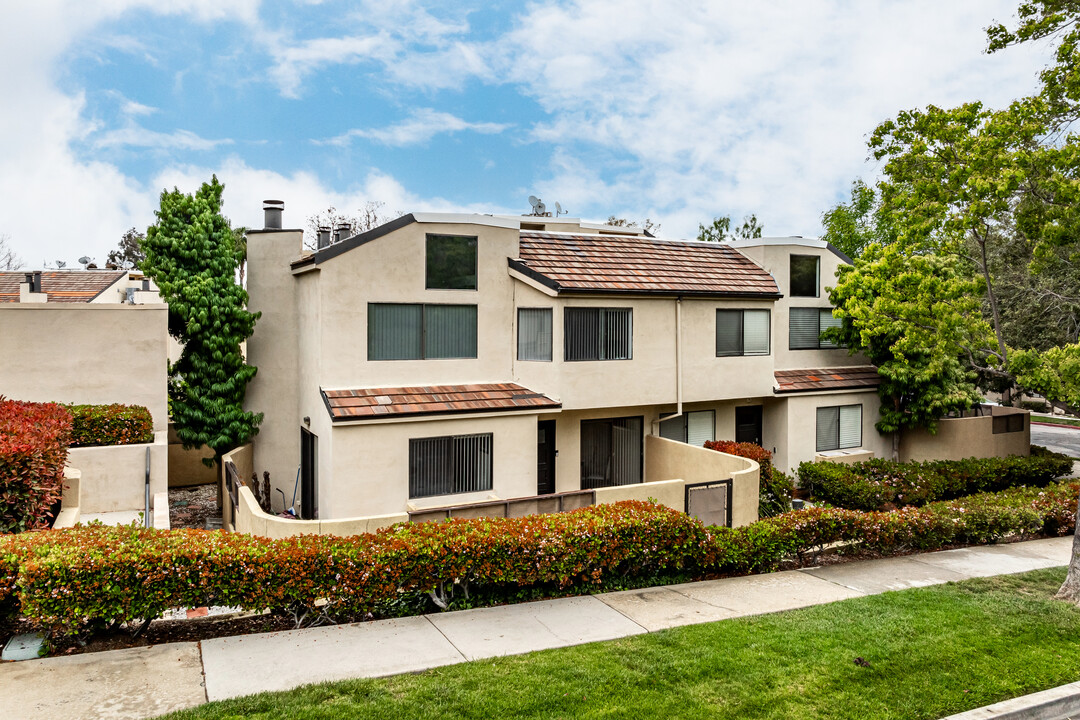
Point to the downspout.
(678, 368)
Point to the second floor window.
(805, 276)
(534, 334)
(742, 332)
(451, 262)
(598, 333)
(805, 326)
(413, 331)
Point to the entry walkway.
(144, 682)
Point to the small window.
(534, 334)
(417, 332)
(694, 428)
(839, 427)
(742, 332)
(451, 262)
(805, 326)
(611, 452)
(450, 464)
(598, 333)
(805, 275)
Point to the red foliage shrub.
(33, 448)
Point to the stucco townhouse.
(447, 359)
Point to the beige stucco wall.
(959, 438)
(253, 521)
(795, 425)
(114, 477)
(669, 460)
(86, 353)
(185, 466)
(241, 457)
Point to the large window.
(598, 333)
(449, 464)
(611, 452)
(805, 326)
(534, 334)
(418, 332)
(805, 276)
(839, 427)
(742, 332)
(694, 428)
(451, 262)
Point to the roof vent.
(272, 210)
(324, 238)
(342, 231)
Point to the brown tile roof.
(634, 264)
(842, 378)
(369, 403)
(66, 286)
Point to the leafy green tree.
(192, 254)
(720, 229)
(129, 252)
(851, 226)
(916, 317)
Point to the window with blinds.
(805, 326)
(611, 452)
(694, 428)
(598, 333)
(805, 275)
(839, 427)
(534, 334)
(742, 332)
(399, 331)
(449, 464)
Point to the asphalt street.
(1060, 439)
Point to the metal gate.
(710, 502)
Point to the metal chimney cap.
(272, 211)
(273, 204)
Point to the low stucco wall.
(844, 457)
(186, 467)
(70, 512)
(959, 438)
(251, 519)
(242, 458)
(113, 477)
(667, 460)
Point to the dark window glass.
(449, 464)
(598, 333)
(742, 332)
(451, 262)
(805, 277)
(611, 452)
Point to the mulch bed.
(189, 507)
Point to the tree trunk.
(1070, 589)
(896, 446)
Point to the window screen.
(804, 276)
(742, 332)
(598, 333)
(755, 332)
(839, 427)
(449, 464)
(803, 328)
(416, 332)
(611, 452)
(693, 428)
(534, 334)
(451, 262)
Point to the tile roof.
(842, 378)
(370, 403)
(635, 264)
(66, 286)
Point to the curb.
(1057, 425)
(1053, 704)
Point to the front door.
(748, 424)
(309, 474)
(545, 457)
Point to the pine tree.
(192, 254)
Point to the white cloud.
(135, 136)
(293, 63)
(424, 124)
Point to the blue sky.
(673, 111)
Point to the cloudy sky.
(675, 111)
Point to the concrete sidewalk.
(144, 682)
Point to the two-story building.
(443, 359)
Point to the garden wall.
(959, 438)
(670, 460)
(113, 477)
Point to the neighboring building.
(445, 359)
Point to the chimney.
(324, 237)
(35, 281)
(30, 289)
(146, 284)
(272, 210)
(342, 231)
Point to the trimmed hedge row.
(884, 484)
(33, 449)
(69, 579)
(776, 487)
(110, 425)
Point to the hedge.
(33, 450)
(73, 579)
(110, 425)
(775, 489)
(884, 484)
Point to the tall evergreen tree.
(192, 254)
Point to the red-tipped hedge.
(110, 425)
(775, 488)
(33, 448)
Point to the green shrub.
(33, 450)
(110, 425)
(883, 484)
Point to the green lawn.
(931, 652)
(1054, 420)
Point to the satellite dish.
(535, 202)
(85, 260)
(558, 210)
(61, 264)
(541, 209)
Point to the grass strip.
(928, 652)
